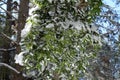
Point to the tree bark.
(6, 43)
(6, 55)
(22, 16)
(8, 17)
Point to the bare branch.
(3, 49)
(3, 1)
(10, 67)
(10, 49)
(8, 12)
(109, 32)
(9, 38)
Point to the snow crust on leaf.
(19, 58)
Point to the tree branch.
(9, 38)
(10, 67)
(110, 31)
(3, 1)
(10, 49)
(8, 12)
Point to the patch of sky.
(109, 2)
(115, 8)
(3, 7)
(106, 26)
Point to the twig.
(8, 12)
(3, 1)
(10, 49)
(3, 49)
(10, 67)
(110, 31)
(9, 38)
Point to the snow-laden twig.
(10, 49)
(10, 67)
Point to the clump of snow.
(31, 73)
(28, 25)
(33, 9)
(50, 1)
(56, 0)
(50, 25)
(31, 5)
(116, 75)
(26, 30)
(42, 63)
(14, 37)
(76, 24)
(19, 58)
(51, 13)
(93, 27)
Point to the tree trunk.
(6, 44)
(22, 16)
(8, 17)
(6, 55)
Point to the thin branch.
(115, 23)
(110, 31)
(11, 12)
(9, 38)
(3, 1)
(10, 49)
(107, 6)
(3, 49)
(108, 15)
(103, 27)
(8, 13)
(10, 67)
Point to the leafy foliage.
(59, 44)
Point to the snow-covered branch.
(10, 49)
(10, 67)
